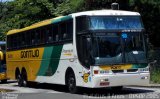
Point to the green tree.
(150, 11)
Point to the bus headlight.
(104, 80)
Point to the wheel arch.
(68, 71)
(17, 72)
(24, 72)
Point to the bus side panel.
(29, 59)
(57, 60)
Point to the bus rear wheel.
(19, 80)
(71, 83)
(22, 81)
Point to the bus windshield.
(115, 22)
(107, 49)
(100, 46)
(134, 48)
(114, 48)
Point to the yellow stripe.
(67, 54)
(36, 25)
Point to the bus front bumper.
(140, 79)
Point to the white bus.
(94, 49)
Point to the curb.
(150, 86)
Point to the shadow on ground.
(8, 82)
(89, 91)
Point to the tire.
(24, 79)
(4, 81)
(71, 83)
(21, 79)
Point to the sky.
(5, 0)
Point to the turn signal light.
(95, 71)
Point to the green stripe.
(61, 19)
(45, 63)
(54, 62)
(139, 65)
(50, 61)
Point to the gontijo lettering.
(30, 53)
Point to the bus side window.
(55, 33)
(63, 31)
(43, 36)
(22, 37)
(65, 36)
(70, 29)
(18, 41)
(11, 41)
(49, 34)
(57, 38)
(28, 38)
(33, 37)
(37, 37)
(8, 42)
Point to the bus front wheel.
(71, 83)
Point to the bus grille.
(117, 71)
(132, 70)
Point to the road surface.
(50, 91)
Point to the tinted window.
(81, 23)
(63, 31)
(69, 29)
(49, 34)
(58, 33)
(115, 22)
(55, 33)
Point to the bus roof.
(39, 24)
(106, 12)
(61, 18)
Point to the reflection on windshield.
(134, 48)
(134, 42)
(107, 49)
(119, 22)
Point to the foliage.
(155, 75)
(22, 13)
(150, 11)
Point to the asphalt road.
(50, 91)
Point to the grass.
(155, 76)
(5, 90)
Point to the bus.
(93, 49)
(3, 76)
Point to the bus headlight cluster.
(101, 71)
(104, 80)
